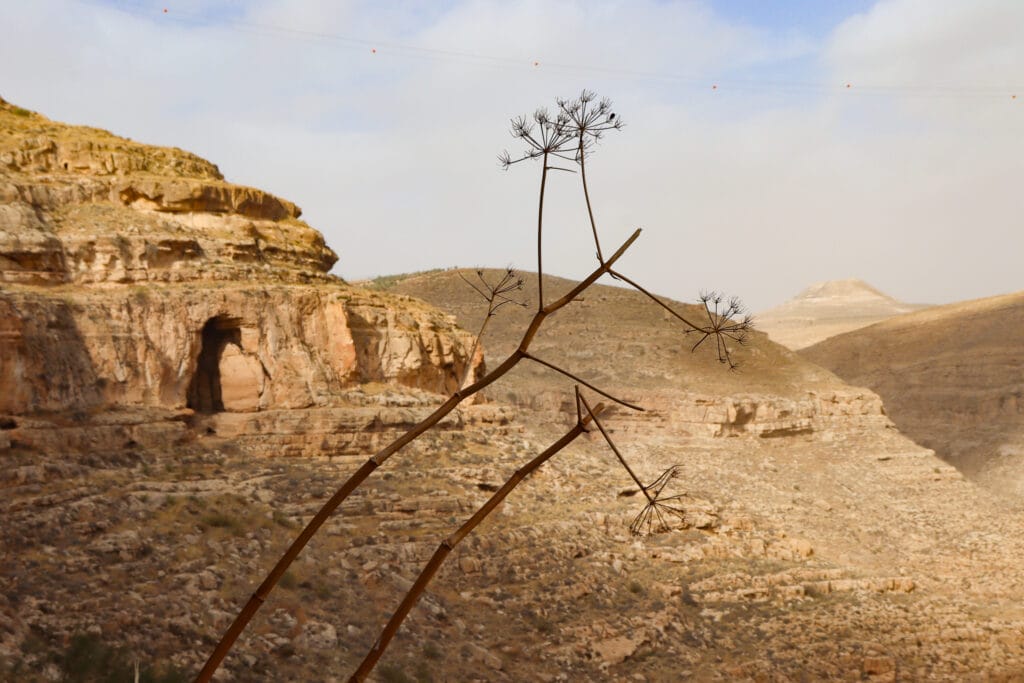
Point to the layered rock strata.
(135, 278)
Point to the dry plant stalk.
(496, 296)
(569, 136)
(448, 544)
(656, 516)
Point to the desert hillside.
(182, 385)
(952, 378)
(618, 336)
(829, 308)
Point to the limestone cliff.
(135, 277)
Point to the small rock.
(613, 651)
(208, 581)
(485, 657)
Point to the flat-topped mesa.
(81, 205)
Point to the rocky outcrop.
(774, 416)
(135, 278)
(79, 205)
(237, 348)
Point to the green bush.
(89, 660)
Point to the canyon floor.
(818, 543)
(823, 556)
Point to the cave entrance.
(204, 392)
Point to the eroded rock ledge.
(80, 205)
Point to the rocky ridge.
(63, 219)
(773, 393)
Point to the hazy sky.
(383, 120)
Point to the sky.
(767, 145)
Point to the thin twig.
(652, 297)
(585, 383)
(586, 196)
(657, 505)
(472, 350)
(615, 450)
(540, 227)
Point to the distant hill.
(614, 336)
(951, 377)
(829, 308)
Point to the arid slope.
(616, 337)
(816, 542)
(951, 377)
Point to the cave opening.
(204, 391)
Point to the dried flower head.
(497, 294)
(724, 325)
(590, 118)
(567, 134)
(657, 516)
(545, 136)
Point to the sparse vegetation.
(289, 581)
(566, 136)
(283, 520)
(389, 281)
(88, 659)
(221, 520)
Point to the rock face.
(80, 205)
(234, 348)
(134, 277)
(826, 309)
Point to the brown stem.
(616, 274)
(261, 593)
(615, 450)
(586, 196)
(443, 550)
(540, 225)
(585, 383)
(476, 343)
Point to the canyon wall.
(135, 277)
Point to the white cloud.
(753, 188)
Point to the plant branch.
(472, 350)
(611, 444)
(260, 595)
(447, 545)
(540, 227)
(585, 383)
(658, 505)
(586, 195)
(620, 276)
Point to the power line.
(398, 49)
